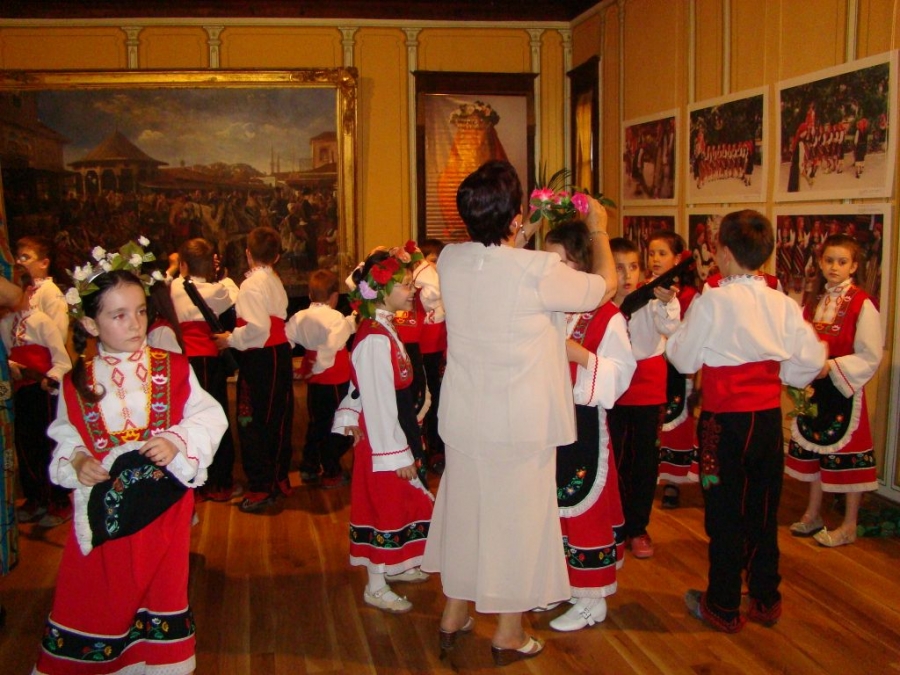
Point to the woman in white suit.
(506, 404)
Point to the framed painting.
(649, 161)
(638, 227)
(834, 132)
(800, 233)
(462, 121)
(97, 158)
(584, 123)
(726, 149)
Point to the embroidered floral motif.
(93, 648)
(709, 459)
(389, 540)
(112, 500)
(589, 558)
(575, 484)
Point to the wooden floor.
(274, 594)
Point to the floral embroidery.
(389, 540)
(590, 558)
(67, 644)
(112, 500)
(574, 485)
(709, 458)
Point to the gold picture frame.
(193, 140)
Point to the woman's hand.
(407, 472)
(159, 450)
(597, 218)
(88, 469)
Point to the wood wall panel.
(475, 50)
(297, 47)
(171, 48)
(62, 48)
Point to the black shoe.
(671, 498)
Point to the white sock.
(376, 582)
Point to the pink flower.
(366, 291)
(581, 202)
(403, 256)
(542, 194)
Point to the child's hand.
(159, 450)
(356, 432)
(221, 340)
(664, 295)
(576, 353)
(407, 472)
(825, 370)
(15, 372)
(88, 470)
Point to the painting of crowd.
(726, 142)
(306, 218)
(835, 133)
(649, 160)
(639, 228)
(798, 244)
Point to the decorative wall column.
(566, 35)
(131, 45)
(348, 42)
(214, 43)
(412, 64)
(536, 65)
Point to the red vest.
(841, 334)
(590, 329)
(648, 384)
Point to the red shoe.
(767, 616)
(284, 486)
(641, 546)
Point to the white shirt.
(51, 301)
(261, 297)
(33, 327)
(323, 329)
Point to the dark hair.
(91, 305)
(159, 304)
(264, 244)
(576, 242)
(623, 245)
(488, 200)
(748, 235)
(673, 239)
(197, 254)
(377, 256)
(844, 241)
(322, 283)
(42, 245)
(430, 246)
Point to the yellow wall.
(747, 43)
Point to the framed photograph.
(98, 158)
(462, 121)
(726, 149)
(834, 132)
(649, 162)
(801, 231)
(584, 122)
(702, 235)
(638, 227)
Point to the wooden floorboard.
(274, 594)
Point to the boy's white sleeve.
(609, 371)
(375, 376)
(253, 309)
(196, 436)
(53, 341)
(666, 316)
(851, 372)
(807, 352)
(685, 346)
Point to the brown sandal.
(503, 657)
(448, 638)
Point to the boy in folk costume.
(265, 384)
(34, 254)
(196, 263)
(323, 332)
(37, 360)
(832, 450)
(747, 339)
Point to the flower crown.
(379, 282)
(130, 257)
(558, 202)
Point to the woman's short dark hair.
(488, 200)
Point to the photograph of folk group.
(399, 338)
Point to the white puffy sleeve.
(609, 371)
(851, 372)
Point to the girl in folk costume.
(390, 508)
(677, 438)
(832, 450)
(134, 431)
(590, 509)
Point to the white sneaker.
(413, 576)
(384, 598)
(586, 612)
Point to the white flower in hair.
(136, 259)
(156, 274)
(106, 265)
(72, 296)
(82, 273)
(98, 253)
(143, 241)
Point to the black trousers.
(741, 471)
(322, 447)
(434, 372)
(210, 372)
(634, 431)
(35, 409)
(265, 415)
